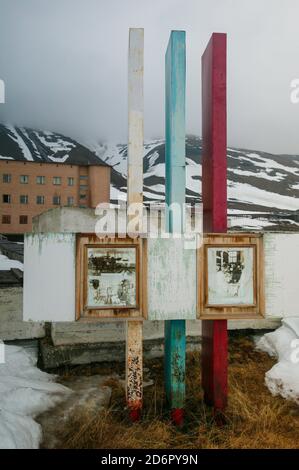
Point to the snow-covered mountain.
(258, 182)
(19, 143)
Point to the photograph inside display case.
(230, 275)
(111, 277)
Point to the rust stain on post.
(134, 377)
(134, 367)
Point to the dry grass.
(254, 419)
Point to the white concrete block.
(49, 277)
(281, 274)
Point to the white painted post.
(134, 366)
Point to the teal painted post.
(175, 330)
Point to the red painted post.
(214, 195)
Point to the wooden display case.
(110, 277)
(231, 276)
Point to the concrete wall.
(281, 274)
(65, 219)
(68, 333)
(49, 277)
(171, 279)
(12, 326)
(76, 220)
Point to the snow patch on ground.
(248, 222)
(25, 392)
(153, 158)
(241, 211)
(270, 164)
(253, 195)
(59, 159)
(260, 174)
(283, 343)
(117, 195)
(6, 264)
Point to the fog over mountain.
(64, 63)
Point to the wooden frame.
(214, 311)
(83, 310)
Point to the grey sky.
(64, 63)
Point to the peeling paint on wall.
(281, 274)
(171, 280)
(49, 277)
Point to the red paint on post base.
(177, 416)
(135, 408)
(135, 415)
(214, 196)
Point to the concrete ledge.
(92, 331)
(21, 330)
(11, 324)
(263, 324)
(51, 356)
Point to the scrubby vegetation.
(253, 419)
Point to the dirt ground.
(253, 419)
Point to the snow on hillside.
(258, 182)
(19, 143)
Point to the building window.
(232, 256)
(6, 178)
(23, 199)
(70, 201)
(82, 196)
(83, 177)
(84, 187)
(56, 200)
(40, 180)
(6, 198)
(23, 219)
(56, 180)
(71, 181)
(40, 199)
(24, 179)
(6, 219)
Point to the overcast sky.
(64, 63)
